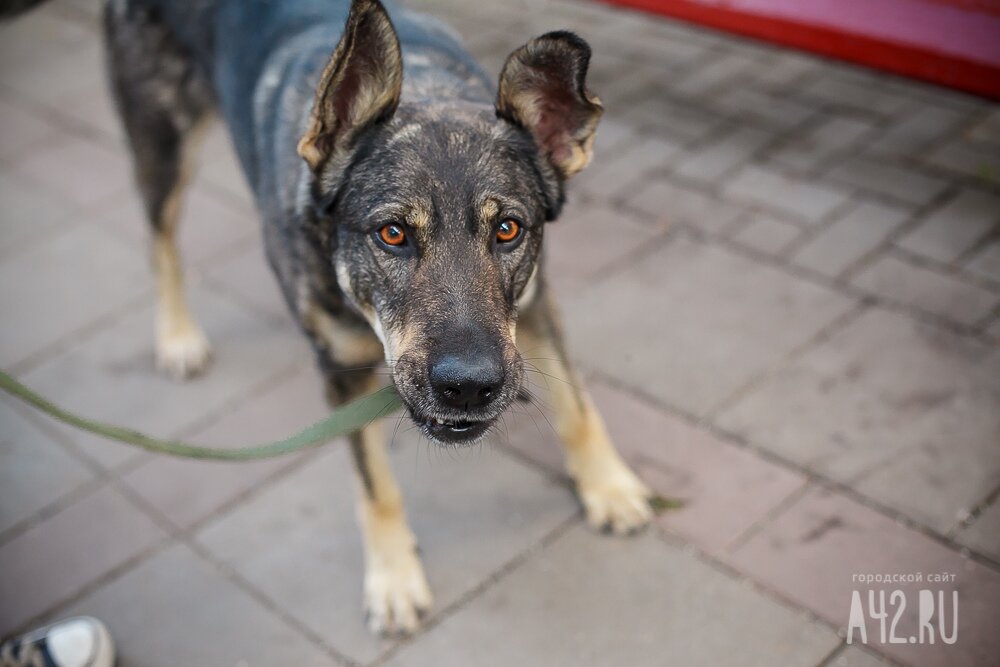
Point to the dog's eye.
(392, 235)
(508, 231)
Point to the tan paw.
(182, 353)
(616, 501)
(396, 594)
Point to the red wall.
(953, 43)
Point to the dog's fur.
(334, 149)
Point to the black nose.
(466, 381)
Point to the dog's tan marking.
(611, 493)
(394, 343)
(396, 592)
(343, 343)
(489, 209)
(182, 350)
(530, 291)
(419, 218)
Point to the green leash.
(347, 418)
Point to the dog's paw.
(182, 353)
(615, 501)
(396, 594)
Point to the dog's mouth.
(458, 431)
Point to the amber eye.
(392, 234)
(508, 230)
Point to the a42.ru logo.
(937, 617)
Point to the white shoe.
(75, 642)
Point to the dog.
(404, 200)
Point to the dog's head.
(435, 210)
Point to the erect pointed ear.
(543, 89)
(360, 85)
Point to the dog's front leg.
(395, 588)
(396, 593)
(613, 497)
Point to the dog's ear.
(360, 85)
(543, 89)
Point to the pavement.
(781, 276)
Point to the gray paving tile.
(613, 175)
(708, 163)
(625, 602)
(987, 130)
(22, 130)
(896, 279)
(75, 9)
(844, 241)
(219, 167)
(613, 136)
(111, 376)
(902, 411)
(94, 113)
(29, 212)
(621, 85)
(471, 510)
(971, 158)
(46, 57)
(812, 553)
(80, 172)
(615, 78)
(767, 234)
(35, 471)
(899, 182)
(710, 76)
(680, 461)
(588, 238)
(177, 609)
(59, 556)
(910, 134)
(852, 656)
(587, 18)
(955, 227)
(833, 136)
(38, 37)
(62, 284)
(993, 329)
(652, 45)
(924, 92)
(808, 200)
(983, 535)
(784, 67)
(855, 92)
(986, 262)
(749, 104)
(188, 491)
(752, 49)
(629, 22)
(210, 224)
(668, 203)
(249, 277)
(657, 111)
(693, 350)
